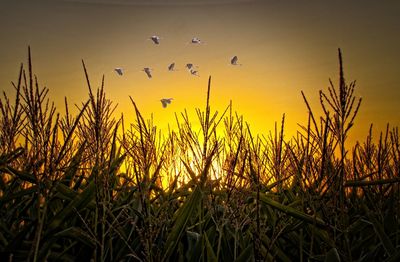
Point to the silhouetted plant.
(220, 193)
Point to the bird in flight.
(190, 66)
(119, 71)
(196, 40)
(194, 72)
(166, 101)
(171, 67)
(234, 61)
(147, 70)
(155, 39)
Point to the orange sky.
(284, 48)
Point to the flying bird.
(155, 39)
(166, 101)
(190, 66)
(194, 72)
(171, 67)
(119, 71)
(234, 61)
(196, 40)
(147, 70)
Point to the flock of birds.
(171, 67)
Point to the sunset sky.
(284, 47)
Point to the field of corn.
(90, 187)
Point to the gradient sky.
(284, 46)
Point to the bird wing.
(194, 72)
(119, 71)
(164, 103)
(155, 39)
(234, 60)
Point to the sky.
(285, 47)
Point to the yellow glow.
(281, 46)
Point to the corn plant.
(91, 187)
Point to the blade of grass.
(291, 211)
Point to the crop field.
(92, 187)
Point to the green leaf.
(291, 211)
(181, 218)
(246, 255)
(23, 192)
(210, 252)
(6, 159)
(379, 229)
(332, 256)
(78, 235)
(385, 240)
(21, 175)
(79, 202)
